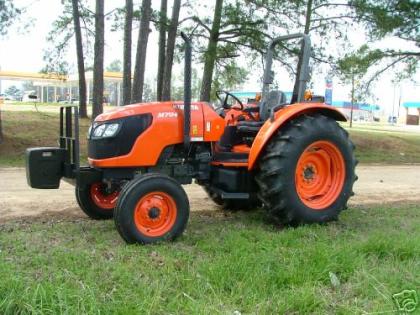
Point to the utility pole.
(399, 103)
(352, 100)
(393, 106)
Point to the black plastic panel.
(232, 180)
(132, 127)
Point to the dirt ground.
(377, 184)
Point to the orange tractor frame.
(291, 158)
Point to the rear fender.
(281, 118)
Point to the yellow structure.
(66, 84)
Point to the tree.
(162, 46)
(229, 77)
(98, 62)
(75, 21)
(62, 32)
(234, 30)
(9, 14)
(211, 53)
(170, 47)
(352, 69)
(12, 90)
(148, 93)
(128, 26)
(138, 82)
(399, 19)
(115, 66)
(80, 59)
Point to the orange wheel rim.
(320, 175)
(155, 214)
(101, 198)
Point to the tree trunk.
(170, 46)
(211, 53)
(80, 60)
(143, 38)
(299, 66)
(128, 26)
(1, 130)
(162, 47)
(98, 61)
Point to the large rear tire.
(307, 170)
(96, 202)
(152, 208)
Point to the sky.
(23, 51)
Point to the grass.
(23, 129)
(386, 147)
(222, 264)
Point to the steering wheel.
(224, 101)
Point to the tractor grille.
(122, 143)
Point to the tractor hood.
(136, 109)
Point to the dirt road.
(377, 184)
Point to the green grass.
(220, 265)
(23, 129)
(386, 147)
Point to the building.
(51, 87)
(412, 113)
(361, 111)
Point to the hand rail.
(303, 76)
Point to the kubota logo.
(167, 115)
(181, 106)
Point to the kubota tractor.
(292, 158)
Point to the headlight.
(111, 130)
(99, 131)
(105, 130)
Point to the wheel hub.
(320, 175)
(309, 173)
(102, 198)
(154, 213)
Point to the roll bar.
(303, 75)
(187, 91)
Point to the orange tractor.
(292, 158)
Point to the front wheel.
(152, 208)
(306, 172)
(97, 201)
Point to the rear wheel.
(152, 208)
(306, 172)
(97, 201)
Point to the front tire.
(307, 170)
(96, 202)
(152, 208)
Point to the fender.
(281, 118)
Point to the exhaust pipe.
(187, 92)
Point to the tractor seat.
(275, 99)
